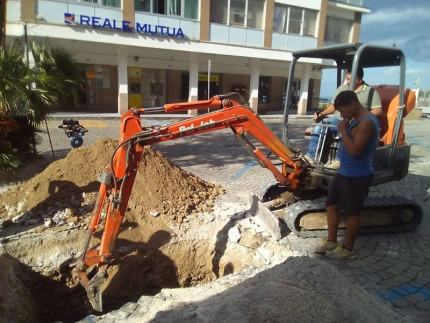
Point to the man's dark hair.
(345, 98)
(360, 72)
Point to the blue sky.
(406, 24)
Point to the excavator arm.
(118, 178)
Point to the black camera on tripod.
(74, 131)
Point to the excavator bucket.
(93, 287)
(94, 291)
(265, 217)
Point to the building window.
(264, 89)
(142, 5)
(294, 20)
(108, 3)
(191, 10)
(237, 12)
(219, 11)
(112, 3)
(243, 13)
(158, 6)
(174, 7)
(338, 30)
(182, 8)
(279, 19)
(310, 23)
(255, 15)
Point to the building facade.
(151, 52)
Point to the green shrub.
(9, 162)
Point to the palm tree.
(28, 92)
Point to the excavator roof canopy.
(343, 55)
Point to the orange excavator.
(299, 185)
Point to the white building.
(152, 52)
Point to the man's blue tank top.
(361, 165)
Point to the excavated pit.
(169, 236)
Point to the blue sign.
(122, 25)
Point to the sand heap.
(164, 189)
(160, 187)
(61, 182)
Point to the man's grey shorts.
(349, 193)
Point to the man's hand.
(316, 116)
(359, 137)
(342, 126)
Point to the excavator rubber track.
(392, 214)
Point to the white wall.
(13, 11)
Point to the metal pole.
(50, 141)
(26, 47)
(209, 80)
(288, 100)
(3, 24)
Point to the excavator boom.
(118, 178)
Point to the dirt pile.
(164, 189)
(160, 187)
(61, 183)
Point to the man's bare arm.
(376, 111)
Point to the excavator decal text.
(202, 123)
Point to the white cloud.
(390, 71)
(391, 16)
(417, 69)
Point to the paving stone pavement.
(393, 267)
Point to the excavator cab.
(391, 161)
(392, 157)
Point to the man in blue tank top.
(360, 135)
(367, 96)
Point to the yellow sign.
(204, 78)
(134, 74)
